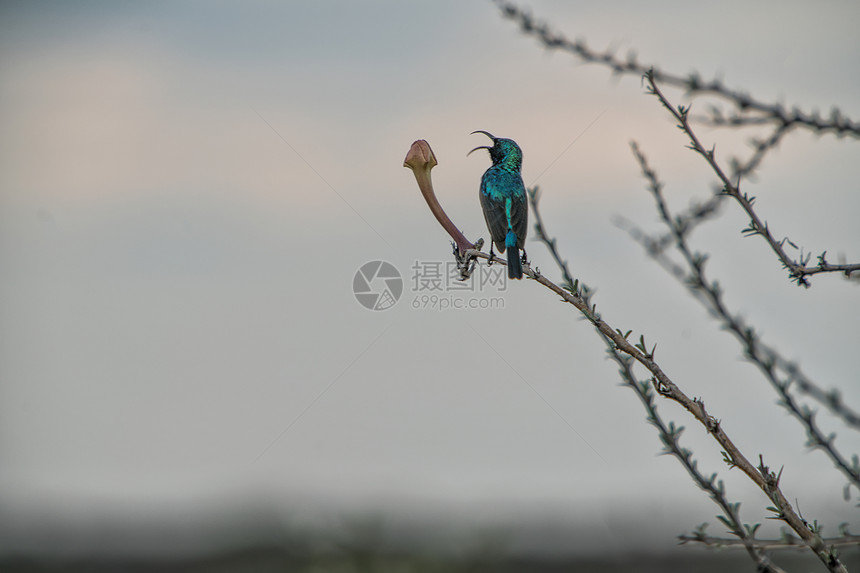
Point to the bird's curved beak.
(488, 134)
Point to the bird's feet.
(525, 258)
(492, 258)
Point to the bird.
(503, 200)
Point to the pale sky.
(188, 190)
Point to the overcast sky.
(188, 189)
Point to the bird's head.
(503, 151)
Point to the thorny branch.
(669, 435)
(699, 283)
(798, 270)
(745, 111)
(761, 475)
(767, 113)
(764, 357)
(787, 541)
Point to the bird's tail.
(515, 266)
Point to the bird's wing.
(494, 215)
(520, 216)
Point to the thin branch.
(762, 476)
(699, 213)
(777, 114)
(831, 399)
(669, 435)
(764, 357)
(711, 295)
(569, 282)
(798, 270)
(788, 541)
(773, 113)
(745, 111)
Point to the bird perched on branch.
(503, 199)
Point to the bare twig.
(798, 270)
(762, 476)
(774, 114)
(763, 356)
(569, 282)
(669, 435)
(788, 541)
(744, 111)
(655, 247)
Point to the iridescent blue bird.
(503, 199)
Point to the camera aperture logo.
(377, 285)
(436, 285)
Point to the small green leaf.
(726, 521)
